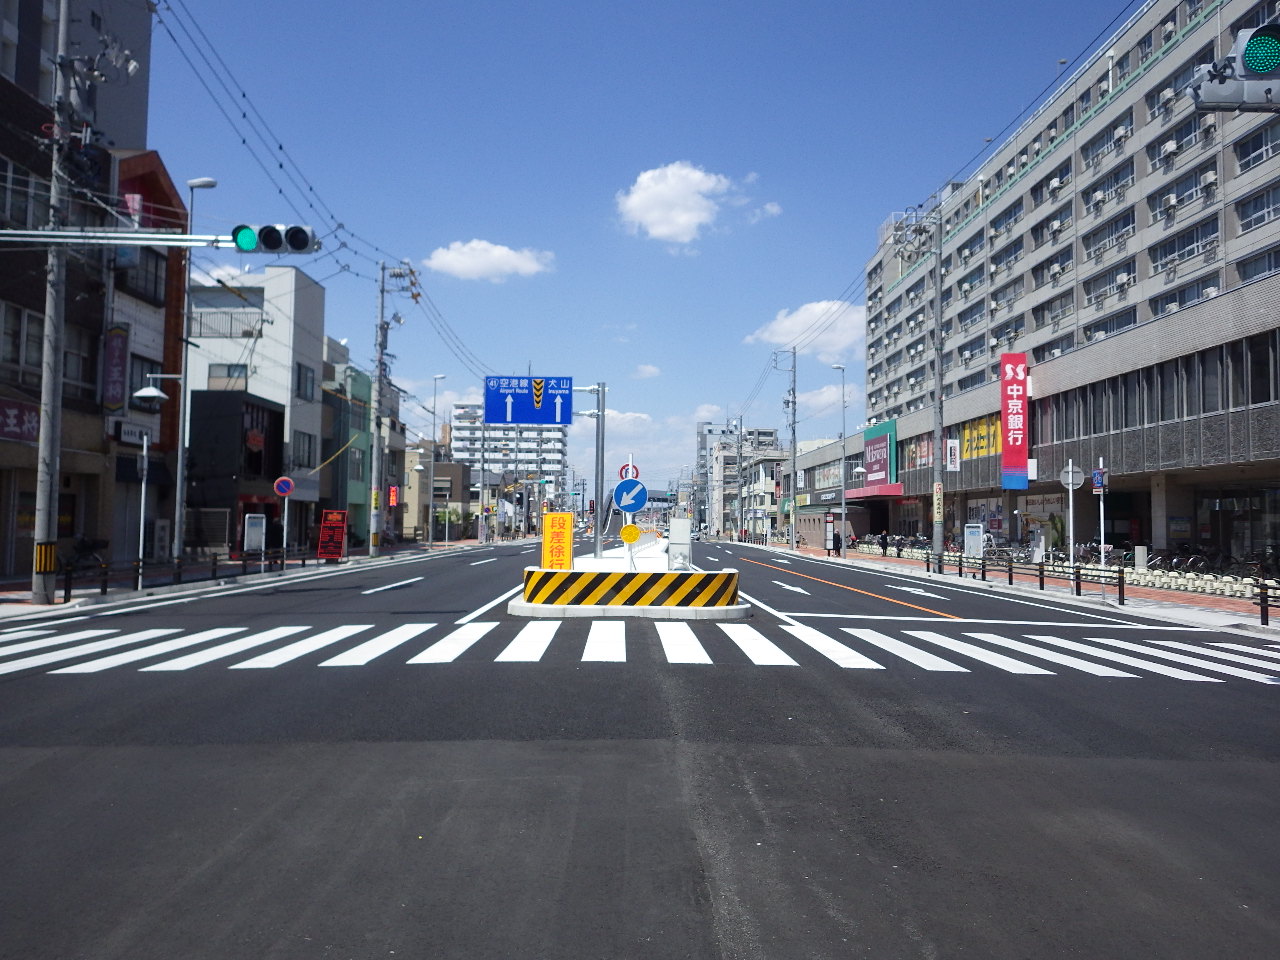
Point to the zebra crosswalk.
(171, 649)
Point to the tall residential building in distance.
(520, 449)
(1129, 246)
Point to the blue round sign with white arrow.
(630, 496)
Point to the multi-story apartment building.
(346, 440)
(106, 97)
(1130, 247)
(262, 337)
(723, 457)
(526, 451)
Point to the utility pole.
(49, 452)
(379, 371)
(790, 404)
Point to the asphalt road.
(378, 762)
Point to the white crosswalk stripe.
(997, 660)
(360, 655)
(454, 645)
(680, 643)
(42, 659)
(920, 658)
(606, 643)
(530, 643)
(228, 649)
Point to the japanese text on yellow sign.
(557, 541)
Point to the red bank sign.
(1015, 417)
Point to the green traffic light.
(245, 238)
(1262, 51)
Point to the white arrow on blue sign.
(528, 399)
(630, 496)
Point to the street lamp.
(184, 413)
(431, 471)
(149, 392)
(844, 456)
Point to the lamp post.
(149, 392)
(844, 456)
(184, 413)
(431, 470)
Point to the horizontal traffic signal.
(274, 238)
(1260, 52)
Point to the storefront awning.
(879, 490)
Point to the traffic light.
(592, 509)
(1246, 79)
(274, 238)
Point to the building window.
(1211, 380)
(1200, 240)
(146, 277)
(1263, 265)
(304, 449)
(304, 382)
(1111, 234)
(21, 344)
(1259, 209)
(139, 369)
(228, 371)
(80, 365)
(1258, 147)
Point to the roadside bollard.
(983, 567)
(66, 587)
(213, 568)
(1262, 601)
(959, 566)
(1077, 579)
(177, 569)
(104, 569)
(1040, 567)
(1120, 586)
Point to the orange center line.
(865, 593)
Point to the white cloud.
(645, 371)
(673, 203)
(842, 336)
(482, 260)
(770, 209)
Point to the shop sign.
(1013, 421)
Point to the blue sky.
(656, 194)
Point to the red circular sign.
(628, 471)
(283, 486)
(255, 440)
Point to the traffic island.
(657, 595)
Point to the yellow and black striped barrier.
(598, 588)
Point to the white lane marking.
(449, 648)
(606, 643)
(1102, 654)
(997, 660)
(679, 644)
(402, 583)
(760, 650)
(299, 648)
(1190, 661)
(478, 562)
(787, 586)
(40, 659)
(530, 643)
(768, 609)
(915, 590)
(55, 640)
(152, 650)
(832, 649)
(522, 553)
(492, 603)
(899, 649)
(228, 649)
(362, 653)
(1053, 656)
(780, 560)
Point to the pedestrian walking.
(884, 543)
(837, 543)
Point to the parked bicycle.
(86, 554)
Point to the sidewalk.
(1191, 609)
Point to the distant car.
(695, 535)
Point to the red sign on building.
(1015, 418)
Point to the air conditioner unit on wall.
(1055, 269)
(1099, 198)
(1167, 96)
(1209, 180)
(1055, 184)
(1168, 149)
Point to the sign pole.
(1102, 529)
(1071, 517)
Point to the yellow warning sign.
(539, 385)
(629, 533)
(557, 541)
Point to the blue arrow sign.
(528, 400)
(630, 496)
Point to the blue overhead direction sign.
(528, 400)
(630, 496)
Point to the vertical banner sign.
(953, 455)
(115, 368)
(557, 541)
(937, 503)
(1014, 410)
(876, 455)
(333, 535)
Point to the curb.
(521, 608)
